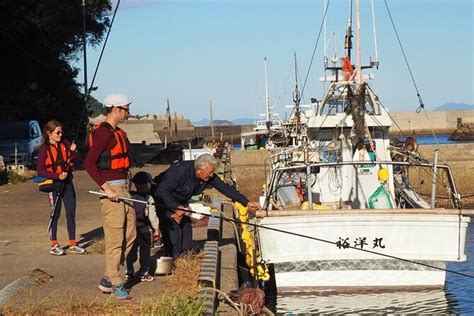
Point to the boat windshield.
(333, 107)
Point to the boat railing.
(311, 166)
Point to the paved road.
(24, 244)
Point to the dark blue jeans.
(143, 244)
(178, 238)
(68, 197)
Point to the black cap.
(142, 177)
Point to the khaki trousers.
(119, 232)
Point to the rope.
(241, 308)
(293, 234)
(314, 49)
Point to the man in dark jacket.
(178, 184)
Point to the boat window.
(334, 107)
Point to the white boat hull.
(432, 239)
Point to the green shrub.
(8, 176)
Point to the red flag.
(347, 67)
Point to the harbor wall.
(405, 123)
(427, 122)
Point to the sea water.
(456, 298)
(440, 139)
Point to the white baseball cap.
(116, 99)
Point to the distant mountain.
(454, 107)
(239, 121)
(222, 123)
(203, 122)
(206, 122)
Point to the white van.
(20, 142)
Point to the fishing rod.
(87, 92)
(287, 232)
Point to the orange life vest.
(116, 158)
(56, 160)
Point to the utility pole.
(168, 113)
(84, 47)
(212, 120)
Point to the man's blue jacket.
(179, 184)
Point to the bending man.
(180, 182)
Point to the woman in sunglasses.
(55, 161)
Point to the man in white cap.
(108, 162)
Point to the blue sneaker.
(105, 285)
(120, 292)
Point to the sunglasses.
(58, 133)
(123, 108)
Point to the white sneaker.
(57, 251)
(76, 250)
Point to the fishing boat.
(345, 208)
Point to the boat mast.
(268, 116)
(296, 100)
(358, 46)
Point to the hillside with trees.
(40, 42)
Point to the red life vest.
(56, 160)
(116, 158)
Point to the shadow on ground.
(90, 236)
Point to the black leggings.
(69, 199)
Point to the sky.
(196, 51)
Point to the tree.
(95, 107)
(41, 39)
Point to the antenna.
(376, 61)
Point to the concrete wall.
(141, 133)
(425, 121)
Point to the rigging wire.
(314, 49)
(420, 101)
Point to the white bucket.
(200, 209)
(163, 265)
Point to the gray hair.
(202, 161)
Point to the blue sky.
(194, 51)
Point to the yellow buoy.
(305, 206)
(382, 174)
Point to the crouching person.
(147, 227)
